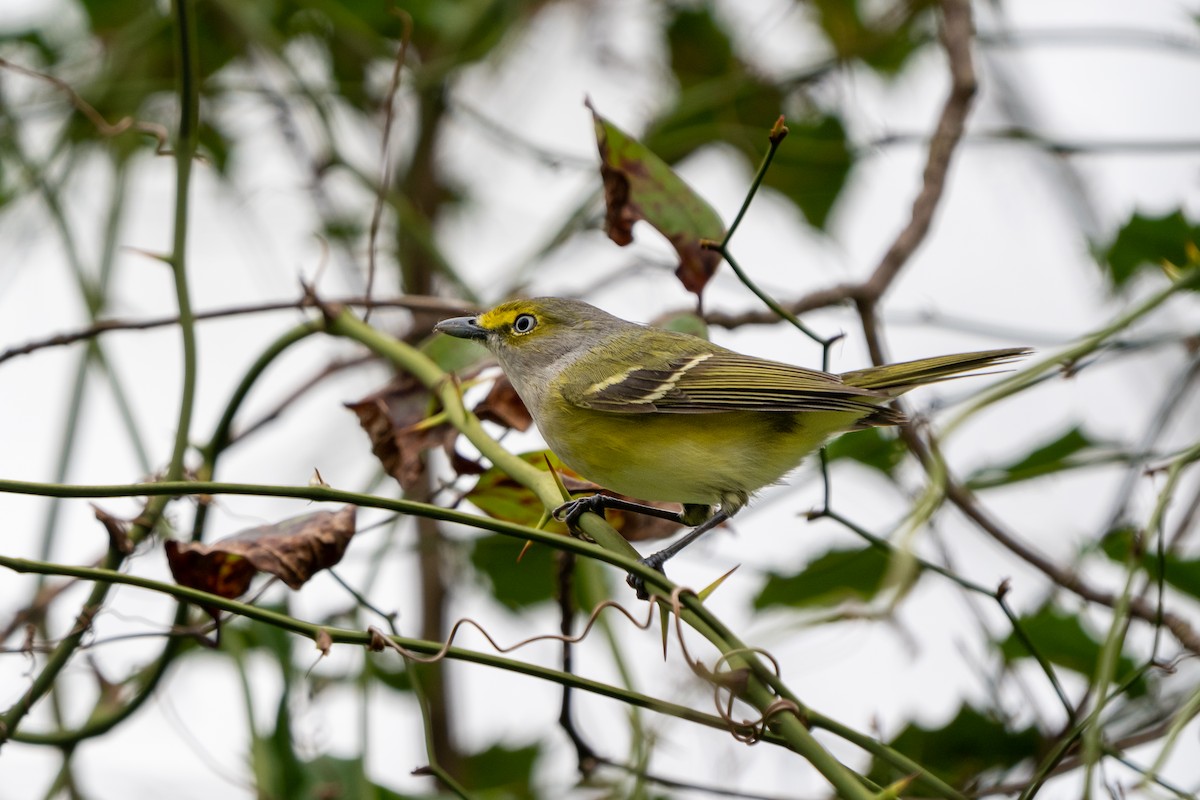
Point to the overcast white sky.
(1004, 264)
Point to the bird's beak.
(462, 328)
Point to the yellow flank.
(660, 415)
(682, 458)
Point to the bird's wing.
(690, 376)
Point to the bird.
(665, 416)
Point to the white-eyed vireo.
(666, 416)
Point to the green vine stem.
(312, 630)
(1110, 653)
(185, 149)
(763, 690)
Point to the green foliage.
(1062, 639)
(960, 751)
(685, 322)
(278, 769)
(1146, 243)
(885, 42)
(722, 99)
(1182, 574)
(877, 448)
(282, 774)
(639, 185)
(1070, 450)
(502, 772)
(515, 583)
(836, 577)
(498, 495)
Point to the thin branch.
(408, 302)
(956, 39)
(385, 169)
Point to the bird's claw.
(637, 583)
(570, 511)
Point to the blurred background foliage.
(319, 74)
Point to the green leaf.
(835, 577)
(499, 496)
(1062, 640)
(1182, 574)
(873, 447)
(453, 354)
(1071, 450)
(685, 322)
(722, 99)
(335, 778)
(700, 49)
(884, 42)
(811, 166)
(502, 771)
(959, 751)
(1148, 242)
(638, 185)
(515, 584)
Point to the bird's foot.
(637, 583)
(570, 511)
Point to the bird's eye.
(524, 323)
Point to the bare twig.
(103, 126)
(956, 38)
(1068, 579)
(385, 169)
(409, 302)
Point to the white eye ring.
(524, 323)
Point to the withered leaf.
(293, 550)
(395, 417)
(638, 185)
(504, 406)
(117, 529)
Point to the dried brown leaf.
(395, 419)
(117, 528)
(504, 406)
(293, 550)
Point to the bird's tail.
(896, 379)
